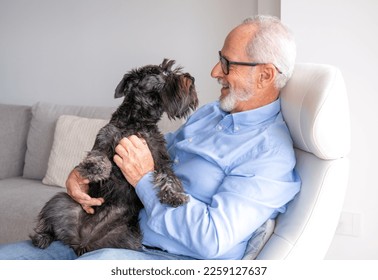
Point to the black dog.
(149, 92)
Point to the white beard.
(228, 103)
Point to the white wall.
(269, 7)
(344, 33)
(76, 51)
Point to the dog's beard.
(229, 102)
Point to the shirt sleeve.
(247, 197)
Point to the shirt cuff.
(146, 192)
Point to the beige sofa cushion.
(41, 133)
(74, 137)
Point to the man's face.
(238, 85)
(234, 90)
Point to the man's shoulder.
(271, 138)
(278, 139)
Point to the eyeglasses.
(225, 64)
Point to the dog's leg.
(58, 220)
(170, 188)
(44, 234)
(111, 227)
(97, 165)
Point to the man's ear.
(123, 87)
(267, 75)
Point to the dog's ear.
(123, 87)
(179, 96)
(173, 98)
(167, 64)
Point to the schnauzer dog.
(148, 92)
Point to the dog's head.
(159, 87)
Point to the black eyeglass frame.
(226, 63)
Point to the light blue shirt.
(238, 170)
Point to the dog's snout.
(187, 75)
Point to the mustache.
(222, 82)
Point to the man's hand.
(77, 188)
(134, 158)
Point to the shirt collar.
(238, 121)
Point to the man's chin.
(227, 103)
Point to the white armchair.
(315, 108)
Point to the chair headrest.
(315, 107)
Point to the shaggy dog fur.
(148, 93)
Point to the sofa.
(39, 144)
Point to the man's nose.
(217, 71)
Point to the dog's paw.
(41, 240)
(173, 199)
(170, 188)
(95, 167)
(79, 250)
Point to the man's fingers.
(84, 182)
(79, 195)
(137, 142)
(133, 141)
(77, 189)
(87, 204)
(121, 149)
(117, 160)
(88, 209)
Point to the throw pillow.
(41, 133)
(73, 138)
(258, 239)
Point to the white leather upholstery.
(315, 107)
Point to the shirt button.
(219, 127)
(176, 161)
(190, 140)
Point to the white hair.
(273, 43)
